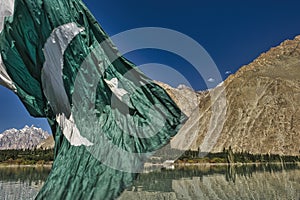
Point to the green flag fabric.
(106, 116)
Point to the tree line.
(26, 157)
(228, 156)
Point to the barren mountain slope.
(261, 111)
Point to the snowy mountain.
(26, 138)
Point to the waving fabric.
(106, 116)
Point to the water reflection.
(21, 182)
(182, 183)
(219, 182)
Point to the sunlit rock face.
(262, 112)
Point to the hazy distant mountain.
(26, 138)
(46, 144)
(186, 98)
(261, 112)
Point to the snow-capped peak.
(26, 138)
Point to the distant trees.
(228, 156)
(26, 157)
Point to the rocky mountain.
(26, 138)
(47, 143)
(186, 98)
(257, 109)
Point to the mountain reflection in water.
(256, 181)
(21, 182)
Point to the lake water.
(272, 182)
(21, 182)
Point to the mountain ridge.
(262, 112)
(255, 110)
(25, 138)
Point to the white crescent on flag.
(6, 10)
(53, 85)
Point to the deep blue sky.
(232, 32)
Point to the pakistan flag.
(106, 116)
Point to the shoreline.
(25, 166)
(147, 165)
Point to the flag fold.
(106, 116)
